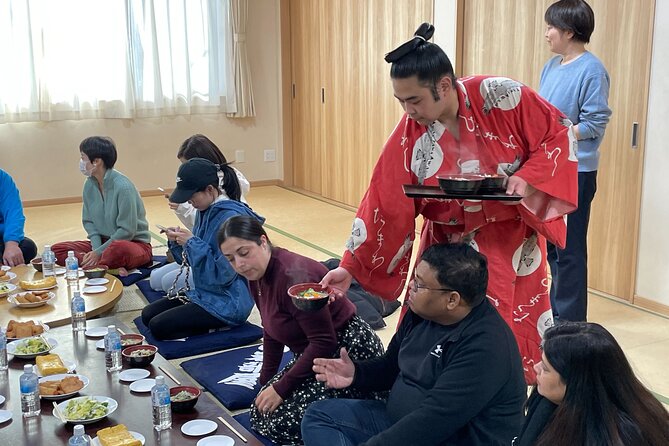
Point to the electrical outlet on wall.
(269, 155)
(240, 156)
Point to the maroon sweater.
(313, 335)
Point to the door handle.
(635, 135)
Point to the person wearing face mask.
(217, 297)
(113, 213)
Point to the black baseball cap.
(194, 176)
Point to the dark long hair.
(243, 227)
(199, 146)
(602, 392)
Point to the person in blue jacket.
(15, 247)
(220, 297)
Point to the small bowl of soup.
(184, 398)
(310, 297)
(37, 263)
(463, 183)
(130, 339)
(139, 355)
(96, 272)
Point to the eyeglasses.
(415, 287)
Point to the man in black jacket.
(453, 368)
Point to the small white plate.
(137, 435)
(133, 374)
(5, 415)
(216, 440)
(2, 400)
(12, 346)
(71, 366)
(112, 405)
(6, 288)
(199, 427)
(143, 385)
(100, 344)
(96, 332)
(59, 271)
(5, 267)
(12, 300)
(99, 281)
(58, 378)
(9, 277)
(94, 289)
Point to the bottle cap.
(70, 253)
(28, 368)
(111, 328)
(160, 380)
(76, 293)
(79, 429)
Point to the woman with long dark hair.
(280, 405)
(587, 394)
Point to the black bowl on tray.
(96, 272)
(139, 361)
(185, 405)
(493, 183)
(463, 183)
(310, 303)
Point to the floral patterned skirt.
(283, 425)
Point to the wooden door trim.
(286, 92)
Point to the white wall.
(653, 257)
(445, 26)
(43, 156)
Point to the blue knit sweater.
(580, 90)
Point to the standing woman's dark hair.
(199, 146)
(604, 402)
(100, 147)
(420, 58)
(575, 16)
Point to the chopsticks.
(170, 375)
(229, 426)
(57, 413)
(112, 287)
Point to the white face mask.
(84, 170)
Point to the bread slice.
(50, 364)
(117, 436)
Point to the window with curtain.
(79, 59)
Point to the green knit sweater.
(118, 213)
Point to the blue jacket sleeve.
(11, 209)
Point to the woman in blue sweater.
(577, 83)
(220, 297)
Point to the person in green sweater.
(113, 213)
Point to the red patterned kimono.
(505, 128)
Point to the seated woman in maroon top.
(281, 403)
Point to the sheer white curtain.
(77, 59)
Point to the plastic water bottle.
(3, 349)
(162, 407)
(72, 270)
(29, 392)
(112, 349)
(79, 438)
(78, 308)
(48, 262)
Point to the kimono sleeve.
(379, 249)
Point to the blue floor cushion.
(142, 273)
(232, 376)
(244, 334)
(149, 293)
(245, 420)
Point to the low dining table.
(57, 312)
(134, 409)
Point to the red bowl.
(139, 361)
(131, 339)
(37, 263)
(309, 304)
(184, 406)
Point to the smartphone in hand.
(165, 194)
(162, 228)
